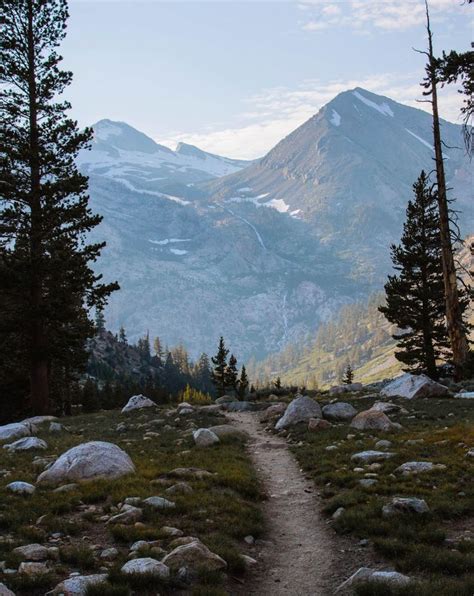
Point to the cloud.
(386, 15)
(274, 113)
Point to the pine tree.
(202, 374)
(348, 377)
(122, 335)
(277, 383)
(158, 348)
(231, 374)
(99, 320)
(45, 215)
(218, 374)
(415, 297)
(243, 383)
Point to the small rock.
(195, 556)
(32, 552)
(159, 503)
(77, 585)
(318, 424)
(29, 568)
(21, 488)
(367, 457)
(138, 402)
(248, 561)
(180, 488)
(414, 386)
(127, 516)
(366, 482)
(109, 554)
(373, 420)
(66, 488)
(146, 566)
(383, 444)
(56, 427)
(8, 432)
(26, 444)
(418, 467)
(400, 505)
(249, 539)
(203, 437)
(365, 574)
(4, 591)
(171, 532)
(337, 514)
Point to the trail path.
(300, 558)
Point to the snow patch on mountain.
(177, 251)
(335, 118)
(383, 108)
(420, 139)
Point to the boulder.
(128, 515)
(96, 459)
(272, 412)
(419, 467)
(138, 402)
(227, 430)
(33, 568)
(180, 488)
(386, 407)
(339, 411)
(414, 386)
(301, 409)
(203, 437)
(318, 424)
(367, 575)
(16, 430)
(368, 457)
(405, 505)
(373, 420)
(159, 503)
(26, 444)
(32, 552)
(339, 389)
(78, 584)
(55, 427)
(21, 488)
(37, 420)
(184, 405)
(195, 556)
(4, 591)
(146, 566)
(109, 554)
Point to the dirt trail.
(301, 558)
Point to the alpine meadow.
(236, 292)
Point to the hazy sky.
(236, 77)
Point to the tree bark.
(39, 381)
(454, 321)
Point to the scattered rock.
(383, 444)
(180, 488)
(339, 411)
(414, 386)
(170, 532)
(240, 406)
(78, 585)
(227, 430)
(337, 514)
(21, 488)
(194, 555)
(96, 459)
(159, 503)
(387, 407)
(109, 554)
(318, 424)
(147, 566)
(365, 574)
(33, 568)
(56, 427)
(37, 420)
(366, 482)
(418, 467)
(338, 389)
(66, 488)
(470, 453)
(26, 444)
(190, 472)
(203, 437)
(301, 409)
(15, 430)
(137, 402)
(368, 457)
(32, 552)
(128, 515)
(373, 420)
(225, 399)
(465, 395)
(405, 505)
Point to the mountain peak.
(187, 149)
(123, 136)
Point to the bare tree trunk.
(39, 381)
(454, 321)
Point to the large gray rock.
(138, 402)
(400, 505)
(78, 585)
(414, 386)
(369, 457)
(4, 591)
(301, 409)
(203, 437)
(373, 420)
(148, 566)
(339, 411)
(96, 459)
(16, 430)
(194, 556)
(21, 488)
(26, 444)
(37, 420)
(272, 412)
(32, 552)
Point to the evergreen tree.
(348, 378)
(122, 335)
(277, 383)
(44, 216)
(99, 320)
(415, 296)
(202, 374)
(243, 383)
(158, 348)
(143, 346)
(231, 374)
(218, 374)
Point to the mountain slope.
(264, 254)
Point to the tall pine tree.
(415, 297)
(231, 374)
(243, 383)
(218, 374)
(44, 215)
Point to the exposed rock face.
(8, 432)
(77, 586)
(137, 402)
(203, 437)
(368, 457)
(21, 488)
(414, 386)
(96, 459)
(400, 505)
(301, 409)
(339, 411)
(373, 420)
(194, 556)
(147, 566)
(26, 444)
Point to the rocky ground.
(353, 490)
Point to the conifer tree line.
(225, 374)
(48, 285)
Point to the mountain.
(268, 252)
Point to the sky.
(234, 78)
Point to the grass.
(415, 545)
(222, 509)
